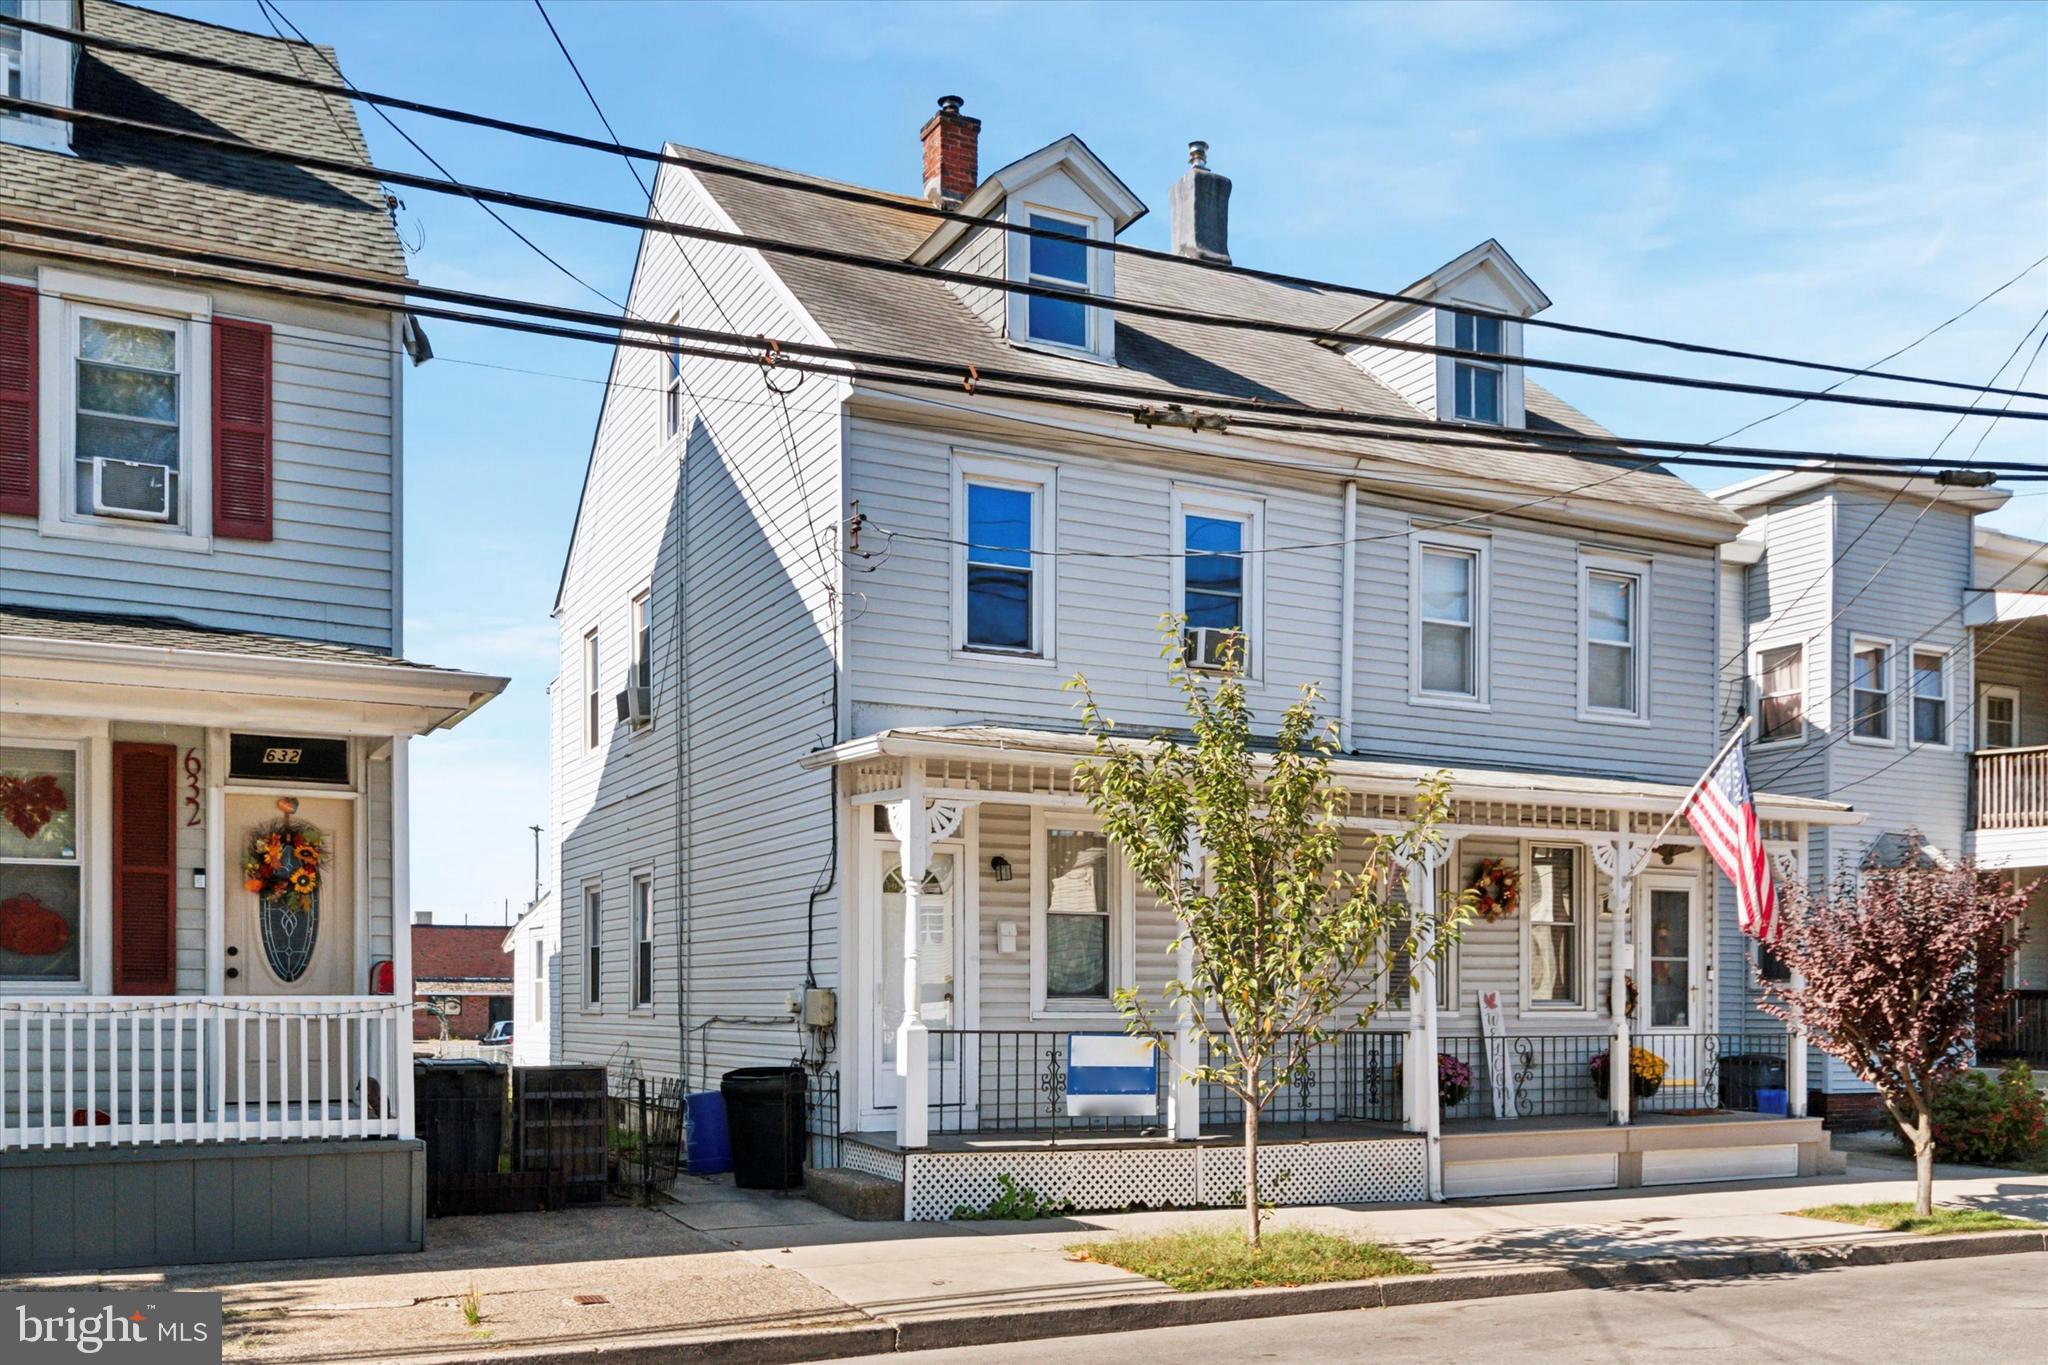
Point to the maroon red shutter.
(145, 869)
(241, 430)
(18, 454)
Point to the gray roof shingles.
(866, 309)
(152, 187)
(169, 632)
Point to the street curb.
(1137, 1314)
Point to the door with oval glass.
(290, 938)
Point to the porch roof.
(986, 742)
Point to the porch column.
(908, 821)
(1795, 1028)
(401, 925)
(1421, 1070)
(1184, 1098)
(1621, 858)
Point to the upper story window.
(35, 67)
(643, 940)
(643, 642)
(1477, 386)
(593, 944)
(1781, 694)
(1002, 581)
(1447, 639)
(1613, 658)
(672, 386)
(2000, 724)
(1870, 691)
(127, 441)
(592, 714)
(1930, 696)
(10, 51)
(1217, 539)
(1063, 265)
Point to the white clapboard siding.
(1411, 374)
(755, 520)
(2018, 659)
(980, 251)
(329, 573)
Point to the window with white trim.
(593, 944)
(1217, 538)
(643, 642)
(1613, 660)
(592, 702)
(539, 989)
(42, 891)
(1064, 265)
(1557, 960)
(1447, 611)
(672, 385)
(1081, 912)
(1002, 577)
(1998, 711)
(1780, 690)
(1870, 691)
(10, 53)
(1930, 696)
(643, 940)
(128, 442)
(36, 67)
(1402, 969)
(1478, 387)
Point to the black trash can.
(1744, 1074)
(764, 1115)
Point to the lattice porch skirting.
(1351, 1171)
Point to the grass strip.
(1899, 1217)
(1218, 1258)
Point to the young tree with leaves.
(1247, 846)
(1898, 973)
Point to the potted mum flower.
(1453, 1079)
(1645, 1072)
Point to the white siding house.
(205, 719)
(849, 790)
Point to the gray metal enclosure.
(116, 1208)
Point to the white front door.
(938, 965)
(1669, 996)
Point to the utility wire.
(775, 352)
(905, 204)
(969, 279)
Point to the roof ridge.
(190, 22)
(747, 163)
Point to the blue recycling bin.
(707, 1146)
(1771, 1101)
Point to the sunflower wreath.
(283, 864)
(1496, 890)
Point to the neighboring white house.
(535, 943)
(204, 714)
(813, 756)
(1896, 656)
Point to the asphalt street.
(1992, 1308)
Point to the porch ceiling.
(1058, 749)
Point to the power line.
(774, 352)
(906, 204)
(887, 265)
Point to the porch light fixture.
(1668, 851)
(1000, 866)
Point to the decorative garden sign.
(282, 868)
(1493, 1029)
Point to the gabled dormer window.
(35, 67)
(1062, 265)
(1477, 385)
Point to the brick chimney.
(1201, 210)
(952, 147)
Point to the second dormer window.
(1477, 383)
(1062, 265)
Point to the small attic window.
(35, 67)
(1476, 384)
(1063, 265)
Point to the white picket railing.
(98, 1072)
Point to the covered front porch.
(986, 923)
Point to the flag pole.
(1693, 790)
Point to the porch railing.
(1553, 1075)
(2009, 788)
(2023, 1033)
(1739, 1071)
(129, 1070)
(1549, 1074)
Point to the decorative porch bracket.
(916, 824)
(1621, 858)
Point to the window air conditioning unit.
(636, 706)
(1207, 647)
(129, 488)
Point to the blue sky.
(1818, 180)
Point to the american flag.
(1723, 814)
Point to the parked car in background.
(500, 1034)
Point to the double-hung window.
(1999, 708)
(1613, 663)
(1061, 264)
(672, 385)
(1781, 694)
(127, 440)
(592, 714)
(41, 869)
(1870, 691)
(643, 940)
(593, 944)
(1447, 641)
(1079, 896)
(10, 53)
(643, 642)
(1478, 386)
(1930, 696)
(1002, 579)
(540, 981)
(1556, 917)
(1217, 539)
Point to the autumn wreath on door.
(283, 867)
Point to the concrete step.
(855, 1194)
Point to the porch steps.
(855, 1194)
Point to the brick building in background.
(466, 963)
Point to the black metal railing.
(644, 1134)
(2023, 1032)
(1548, 1074)
(1350, 1077)
(1714, 1071)
(821, 1117)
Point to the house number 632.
(193, 768)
